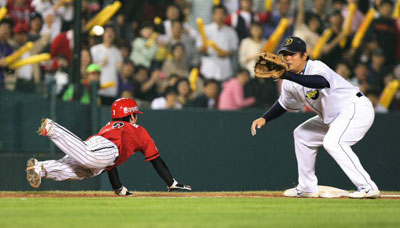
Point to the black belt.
(359, 94)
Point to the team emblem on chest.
(312, 94)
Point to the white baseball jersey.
(344, 117)
(327, 102)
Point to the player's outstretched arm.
(119, 189)
(162, 170)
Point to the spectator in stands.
(62, 76)
(202, 9)
(108, 56)
(174, 13)
(144, 47)
(320, 8)
(378, 70)
(54, 14)
(168, 101)
(213, 64)
(125, 49)
(145, 87)
(35, 23)
(185, 95)
(332, 52)
(360, 78)
(357, 18)
(86, 60)
(232, 95)
(178, 36)
(24, 74)
(125, 78)
(209, 97)
(251, 47)
(19, 10)
(123, 29)
(265, 91)
(82, 93)
(169, 81)
(282, 11)
(176, 64)
(244, 17)
(63, 44)
(343, 69)
(384, 29)
(307, 26)
(5, 49)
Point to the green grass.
(197, 212)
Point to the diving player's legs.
(66, 168)
(347, 129)
(95, 153)
(307, 138)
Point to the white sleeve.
(288, 99)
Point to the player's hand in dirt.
(123, 191)
(257, 124)
(178, 186)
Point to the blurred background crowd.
(153, 51)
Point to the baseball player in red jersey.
(102, 152)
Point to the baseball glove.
(270, 65)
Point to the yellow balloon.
(17, 54)
(30, 60)
(3, 12)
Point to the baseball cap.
(93, 68)
(35, 15)
(21, 28)
(293, 44)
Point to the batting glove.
(123, 191)
(178, 186)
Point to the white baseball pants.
(347, 129)
(83, 159)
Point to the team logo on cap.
(288, 41)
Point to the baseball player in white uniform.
(344, 116)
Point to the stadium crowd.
(149, 49)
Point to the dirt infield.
(67, 194)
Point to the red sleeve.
(150, 150)
(228, 20)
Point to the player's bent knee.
(330, 144)
(300, 135)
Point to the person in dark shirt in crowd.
(185, 95)
(377, 70)
(125, 78)
(145, 87)
(332, 52)
(209, 97)
(264, 90)
(384, 29)
(35, 24)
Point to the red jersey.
(129, 138)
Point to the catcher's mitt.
(270, 65)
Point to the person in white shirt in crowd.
(168, 101)
(108, 56)
(251, 47)
(54, 13)
(213, 64)
(174, 13)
